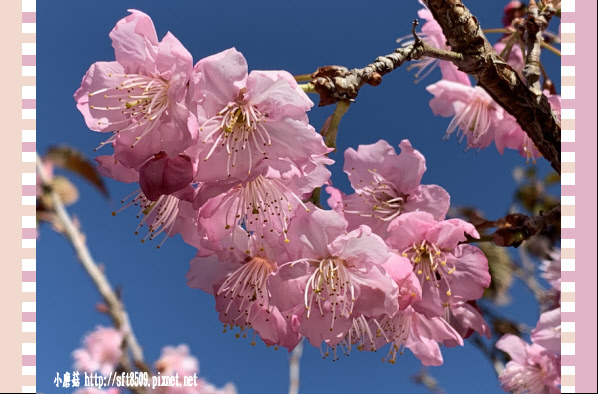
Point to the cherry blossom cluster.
(536, 368)
(102, 352)
(476, 117)
(228, 159)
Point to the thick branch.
(116, 309)
(520, 227)
(465, 36)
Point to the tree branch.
(535, 24)
(519, 227)
(294, 368)
(116, 309)
(532, 112)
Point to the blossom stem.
(308, 87)
(499, 30)
(116, 309)
(550, 48)
(303, 78)
(332, 131)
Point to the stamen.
(140, 98)
(159, 216)
(235, 128)
(331, 282)
(382, 198)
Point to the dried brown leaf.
(71, 159)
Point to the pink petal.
(548, 331)
(360, 248)
(429, 198)
(205, 272)
(514, 346)
(277, 93)
(310, 233)
(471, 276)
(97, 78)
(405, 170)
(217, 80)
(135, 43)
(163, 175)
(107, 166)
(366, 158)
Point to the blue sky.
(293, 36)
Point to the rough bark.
(533, 112)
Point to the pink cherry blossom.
(405, 328)
(399, 268)
(466, 318)
(475, 114)
(532, 368)
(444, 267)
(386, 185)
(140, 97)
(265, 202)
(247, 117)
(170, 209)
(366, 333)
(548, 331)
(177, 360)
(551, 269)
(509, 134)
(101, 351)
(332, 276)
(421, 335)
(238, 276)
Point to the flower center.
(385, 202)
(238, 127)
(525, 379)
(429, 264)
(261, 205)
(330, 283)
(140, 98)
(474, 122)
(247, 285)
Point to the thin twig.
(116, 309)
(550, 48)
(294, 368)
(337, 83)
